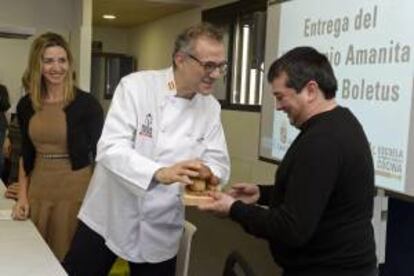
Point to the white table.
(5, 204)
(22, 249)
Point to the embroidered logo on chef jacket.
(146, 127)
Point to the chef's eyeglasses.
(210, 66)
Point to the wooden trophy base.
(190, 199)
(197, 193)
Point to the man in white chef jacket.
(163, 127)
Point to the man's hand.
(245, 192)
(12, 191)
(220, 206)
(179, 172)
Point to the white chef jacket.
(147, 128)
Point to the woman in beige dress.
(60, 127)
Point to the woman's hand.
(21, 209)
(6, 148)
(12, 191)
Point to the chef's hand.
(179, 172)
(206, 174)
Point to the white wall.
(81, 42)
(114, 40)
(242, 134)
(13, 59)
(152, 43)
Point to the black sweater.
(320, 208)
(84, 121)
(4, 106)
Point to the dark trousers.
(89, 256)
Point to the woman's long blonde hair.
(33, 74)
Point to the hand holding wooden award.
(197, 193)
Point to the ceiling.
(135, 12)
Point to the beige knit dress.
(55, 190)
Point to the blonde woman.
(60, 127)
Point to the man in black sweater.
(318, 216)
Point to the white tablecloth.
(23, 252)
(5, 204)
